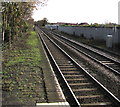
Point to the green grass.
(34, 45)
(26, 56)
(32, 40)
(22, 71)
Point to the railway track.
(79, 87)
(105, 60)
(105, 51)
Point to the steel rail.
(104, 89)
(63, 83)
(75, 42)
(107, 66)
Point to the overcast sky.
(77, 11)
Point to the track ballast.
(79, 87)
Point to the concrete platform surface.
(56, 104)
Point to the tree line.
(42, 22)
(16, 18)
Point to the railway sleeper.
(62, 62)
(74, 76)
(71, 77)
(78, 85)
(86, 91)
(89, 95)
(60, 58)
(79, 80)
(96, 97)
(65, 65)
(98, 104)
(69, 69)
(71, 73)
(111, 63)
(104, 61)
(107, 62)
(92, 99)
(76, 79)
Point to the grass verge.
(22, 73)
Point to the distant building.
(84, 24)
(63, 23)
